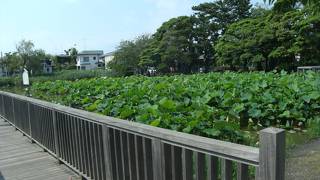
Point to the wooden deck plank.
(19, 159)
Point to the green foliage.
(72, 53)
(217, 105)
(271, 42)
(182, 44)
(232, 34)
(126, 57)
(69, 75)
(220, 14)
(6, 82)
(12, 62)
(67, 61)
(314, 127)
(287, 5)
(174, 47)
(24, 57)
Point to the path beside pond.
(21, 160)
(303, 162)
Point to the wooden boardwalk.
(21, 160)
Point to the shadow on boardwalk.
(1, 177)
(19, 159)
(303, 162)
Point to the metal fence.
(308, 68)
(105, 148)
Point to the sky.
(56, 25)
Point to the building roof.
(91, 52)
(62, 56)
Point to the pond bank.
(303, 162)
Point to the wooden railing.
(105, 148)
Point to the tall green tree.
(126, 57)
(222, 13)
(287, 5)
(178, 52)
(172, 49)
(212, 19)
(271, 41)
(12, 62)
(37, 58)
(30, 58)
(307, 43)
(185, 44)
(72, 53)
(25, 49)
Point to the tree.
(287, 5)
(150, 56)
(239, 46)
(67, 60)
(37, 58)
(271, 41)
(178, 52)
(126, 57)
(212, 19)
(185, 44)
(25, 50)
(307, 41)
(172, 48)
(12, 62)
(30, 58)
(258, 11)
(222, 13)
(72, 53)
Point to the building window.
(94, 58)
(83, 68)
(85, 59)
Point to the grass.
(70, 75)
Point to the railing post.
(29, 120)
(30, 124)
(55, 133)
(157, 159)
(272, 154)
(107, 152)
(13, 115)
(3, 109)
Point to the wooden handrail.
(122, 142)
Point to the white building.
(47, 67)
(3, 68)
(106, 58)
(3, 71)
(88, 60)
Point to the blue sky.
(55, 25)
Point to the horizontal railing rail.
(102, 147)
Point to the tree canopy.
(126, 58)
(287, 5)
(185, 44)
(231, 34)
(25, 56)
(272, 41)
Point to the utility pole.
(3, 68)
(1, 65)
